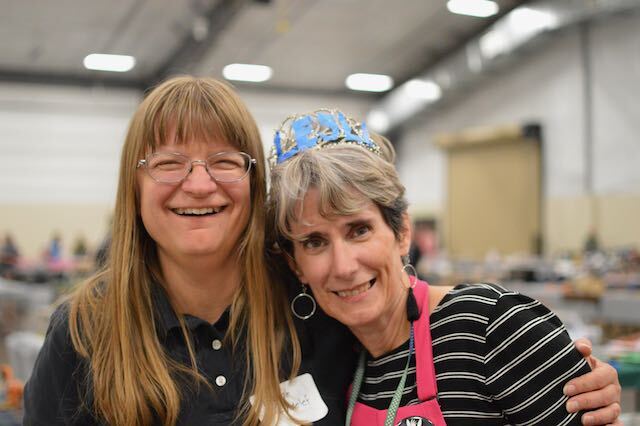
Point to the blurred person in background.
(424, 248)
(53, 252)
(82, 263)
(9, 256)
(80, 249)
(469, 355)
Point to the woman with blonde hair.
(470, 355)
(182, 325)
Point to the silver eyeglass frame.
(144, 163)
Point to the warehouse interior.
(516, 136)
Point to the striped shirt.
(500, 358)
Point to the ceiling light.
(369, 82)
(517, 28)
(477, 8)
(425, 90)
(113, 63)
(247, 72)
(378, 121)
(530, 21)
(495, 42)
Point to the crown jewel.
(318, 129)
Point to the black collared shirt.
(58, 385)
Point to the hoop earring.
(413, 311)
(300, 296)
(407, 268)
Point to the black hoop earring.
(300, 297)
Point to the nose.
(345, 262)
(199, 181)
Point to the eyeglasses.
(172, 167)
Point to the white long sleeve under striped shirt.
(500, 358)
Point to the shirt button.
(221, 381)
(216, 344)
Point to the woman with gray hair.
(466, 355)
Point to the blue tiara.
(318, 129)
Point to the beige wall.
(33, 224)
(569, 220)
(566, 223)
(615, 218)
(619, 220)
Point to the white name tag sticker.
(302, 393)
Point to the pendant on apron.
(415, 421)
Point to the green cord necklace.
(397, 396)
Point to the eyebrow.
(303, 236)
(359, 221)
(350, 225)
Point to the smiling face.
(198, 216)
(352, 262)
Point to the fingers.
(599, 388)
(602, 375)
(583, 345)
(604, 397)
(603, 416)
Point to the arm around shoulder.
(529, 358)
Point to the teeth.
(207, 210)
(354, 292)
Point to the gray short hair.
(346, 176)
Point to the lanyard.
(397, 396)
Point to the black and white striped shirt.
(500, 358)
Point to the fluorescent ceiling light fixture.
(247, 72)
(528, 21)
(495, 42)
(426, 90)
(378, 121)
(477, 8)
(369, 82)
(519, 26)
(113, 63)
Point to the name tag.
(302, 393)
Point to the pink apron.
(429, 409)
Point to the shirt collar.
(167, 320)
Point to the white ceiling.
(312, 45)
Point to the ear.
(405, 236)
